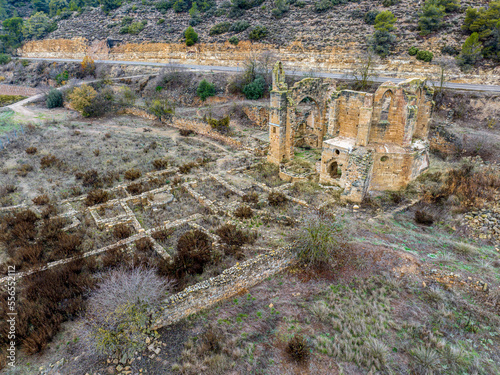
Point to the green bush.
(382, 40)
(449, 50)
(205, 89)
(191, 36)
(300, 4)
(255, 89)
(471, 52)
(370, 16)
(413, 51)
(137, 27)
(485, 22)
(322, 242)
(389, 3)
(4, 58)
(239, 26)
(54, 99)
(281, 8)
(425, 55)
(220, 28)
(160, 21)
(234, 40)
(258, 33)
(222, 125)
(109, 5)
(431, 18)
(322, 6)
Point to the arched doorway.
(334, 170)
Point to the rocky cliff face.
(342, 25)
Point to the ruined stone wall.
(349, 104)
(228, 284)
(18, 90)
(195, 126)
(259, 115)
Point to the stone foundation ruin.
(368, 142)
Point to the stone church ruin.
(368, 142)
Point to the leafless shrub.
(162, 235)
(124, 296)
(90, 178)
(143, 245)
(194, 251)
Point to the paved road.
(456, 86)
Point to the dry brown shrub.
(162, 235)
(66, 245)
(132, 174)
(144, 245)
(48, 211)
(186, 168)
(121, 231)
(28, 255)
(252, 197)
(233, 236)
(115, 257)
(31, 150)
(276, 198)
(176, 180)
(194, 251)
(243, 212)
(422, 217)
(47, 300)
(297, 348)
(185, 132)
(51, 229)
(24, 169)
(49, 161)
(40, 200)
(135, 188)
(96, 197)
(160, 163)
(90, 178)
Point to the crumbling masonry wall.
(369, 142)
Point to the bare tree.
(363, 70)
(445, 65)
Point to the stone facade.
(369, 142)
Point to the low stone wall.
(228, 284)
(180, 123)
(18, 90)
